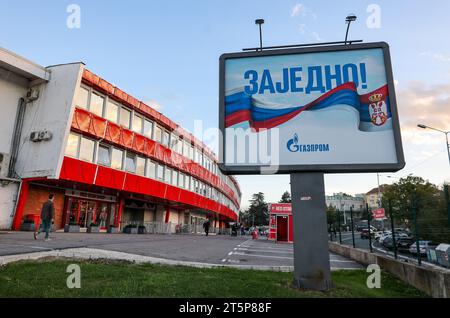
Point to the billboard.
(323, 108)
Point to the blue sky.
(166, 52)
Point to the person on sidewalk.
(47, 216)
(206, 226)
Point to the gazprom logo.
(293, 145)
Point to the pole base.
(313, 283)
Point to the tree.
(285, 198)
(258, 212)
(430, 207)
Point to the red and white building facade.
(104, 154)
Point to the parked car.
(383, 236)
(388, 242)
(423, 247)
(365, 233)
(403, 243)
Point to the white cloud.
(297, 10)
(154, 104)
(422, 104)
(302, 28)
(316, 37)
(437, 56)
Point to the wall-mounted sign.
(378, 214)
(326, 108)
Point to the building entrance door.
(282, 228)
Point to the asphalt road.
(346, 238)
(218, 249)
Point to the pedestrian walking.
(47, 216)
(206, 226)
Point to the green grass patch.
(47, 278)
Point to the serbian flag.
(373, 108)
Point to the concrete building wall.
(8, 199)
(12, 88)
(52, 111)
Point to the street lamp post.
(260, 22)
(349, 19)
(442, 131)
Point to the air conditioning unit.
(40, 135)
(4, 164)
(32, 95)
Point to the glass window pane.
(103, 156)
(180, 147)
(97, 104)
(81, 97)
(72, 145)
(185, 149)
(173, 142)
(112, 111)
(116, 158)
(158, 134)
(160, 172)
(151, 169)
(165, 139)
(148, 128)
(125, 116)
(168, 175)
(137, 123)
(130, 163)
(181, 180)
(140, 166)
(175, 178)
(87, 149)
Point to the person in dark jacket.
(47, 216)
(206, 226)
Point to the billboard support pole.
(311, 255)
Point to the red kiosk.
(280, 222)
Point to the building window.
(82, 97)
(104, 158)
(72, 145)
(175, 178)
(186, 181)
(130, 163)
(186, 149)
(137, 123)
(181, 180)
(158, 134)
(125, 116)
(151, 169)
(192, 185)
(179, 147)
(97, 104)
(116, 158)
(140, 166)
(191, 152)
(168, 175)
(174, 142)
(165, 138)
(112, 111)
(160, 172)
(87, 149)
(148, 128)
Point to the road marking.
(264, 256)
(224, 260)
(231, 253)
(263, 250)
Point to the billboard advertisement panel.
(325, 108)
